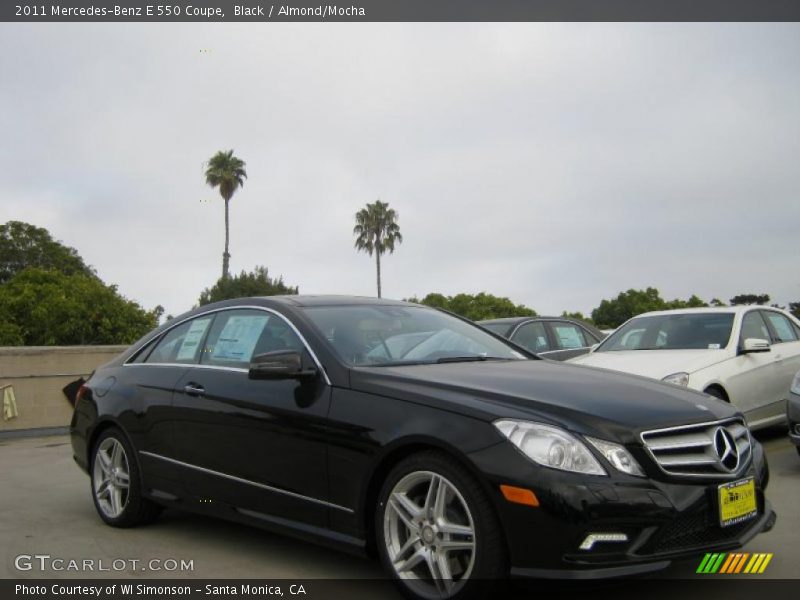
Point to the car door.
(785, 350)
(255, 445)
(150, 378)
(751, 383)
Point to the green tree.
(257, 283)
(717, 302)
(749, 299)
(41, 307)
(377, 231)
(613, 313)
(24, 245)
(578, 316)
(476, 307)
(693, 302)
(226, 172)
(794, 308)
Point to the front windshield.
(680, 331)
(372, 335)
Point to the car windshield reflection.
(394, 335)
(683, 331)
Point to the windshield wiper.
(473, 358)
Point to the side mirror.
(281, 364)
(755, 345)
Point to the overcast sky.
(556, 164)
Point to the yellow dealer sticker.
(737, 501)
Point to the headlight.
(618, 456)
(677, 379)
(550, 446)
(796, 384)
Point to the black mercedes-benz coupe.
(399, 430)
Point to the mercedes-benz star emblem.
(725, 447)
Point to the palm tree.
(226, 172)
(377, 231)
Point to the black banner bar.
(729, 588)
(363, 11)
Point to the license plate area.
(737, 501)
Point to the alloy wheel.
(111, 477)
(429, 535)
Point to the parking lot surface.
(46, 509)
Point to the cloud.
(557, 164)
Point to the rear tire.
(116, 482)
(436, 530)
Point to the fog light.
(593, 538)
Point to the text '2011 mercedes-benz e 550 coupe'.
(400, 430)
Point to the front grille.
(696, 529)
(718, 450)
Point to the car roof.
(510, 320)
(708, 309)
(333, 300)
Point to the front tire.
(116, 483)
(436, 530)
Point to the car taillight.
(82, 391)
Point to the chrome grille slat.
(676, 442)
(717, 450)
(686, 460)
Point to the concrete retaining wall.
(38, 373)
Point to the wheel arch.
(718, 387)
(102, 426)
(388, 460)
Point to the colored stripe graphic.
(766, 562)
(724, 563)
(703, 563)
(740, 564)
(727, 564)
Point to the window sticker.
(568, 337)
(192, 339)
(238, 338)
(714, 346)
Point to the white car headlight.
(796, 384)
(618, 456)
(550, 446)
(677, 379)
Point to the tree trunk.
(226, 257)
(378, 263)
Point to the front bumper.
(662, 519)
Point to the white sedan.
(746, 355)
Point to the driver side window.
(239, 335)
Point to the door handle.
(194, 389)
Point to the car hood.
(583, 399)
(653, 363)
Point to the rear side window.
(533, 337)
(568, 336)
(781, 326)
(181, 344)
